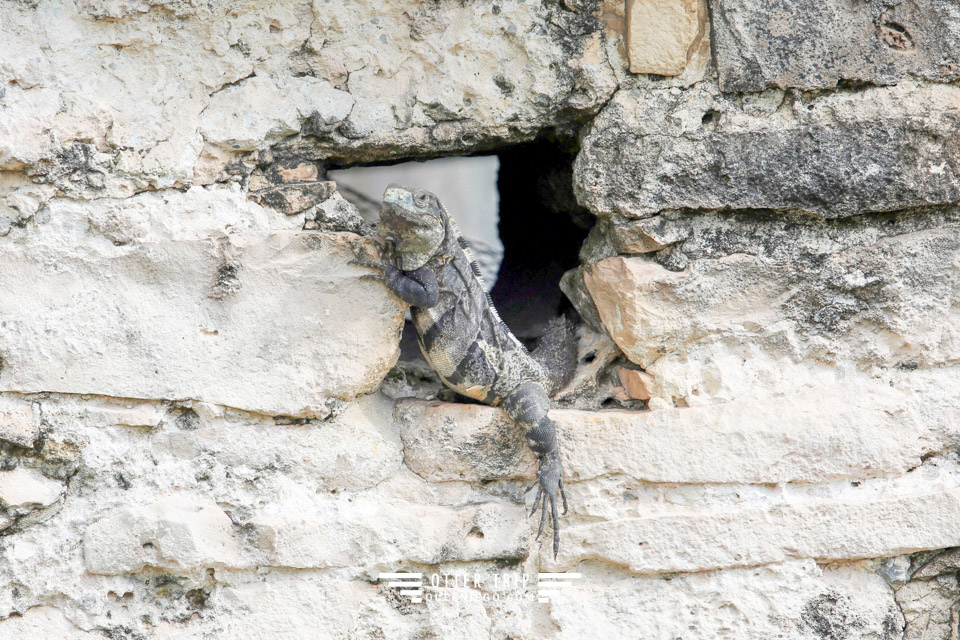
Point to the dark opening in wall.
(542, 228)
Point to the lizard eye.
(420, 199)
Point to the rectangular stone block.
(360, 531)
(266, 320)
(178, 533)
(850, 432)
(18, 424)
(816, 44)
(825, 530)
(787, 312)
(837, 155)
(662, 35)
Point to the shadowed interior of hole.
(542, 229)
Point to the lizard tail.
(556, 352)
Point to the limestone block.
(280, 607)
(836, 155)
(644, 236)
(43, 622)
(158, 80)
(342, 534)
(178, 533)
(66, 411)
(636, 384)
(793, 600)
(447, 441)
(355, 450)
(259, 109)
(848, 432)
(757, 43)
(663, 34)
(783, 318)
(17, 421)
(826, 530)
(23, 487)
(929, 607)
(253, 319)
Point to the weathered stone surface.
(290, 185)
(342, 534)
(179, 534)
(865, 433)
(194, 360)
(636, 384)
(262, 610)
(827, 530)
(18, 424)
(43, 622)
(836, 155)
(662, 35)
(113, 98)
(447, 441)
(816, 45)
(261, 109)
(794, 600)
(168, 306)
(65, 412)
(354, 450)
(783, 312)
(23, 487)
(930, 608)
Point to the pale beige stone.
(43, 622)
(828, 530)
(636, 384)
(18, 424)
(345, 533)
(178, 533)
(662, 35)
(23, 487)
(199, 302)
(850, 432)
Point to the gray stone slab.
(815, 44)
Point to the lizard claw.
(550, 481)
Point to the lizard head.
(415, 222)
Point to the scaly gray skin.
(460, 333)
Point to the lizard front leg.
(527, 405)
(417, 288)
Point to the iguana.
(429, 266)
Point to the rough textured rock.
(761, 436)
(112, 98)
(828, 531)
(805, 302)
(18, 424)
(22, 487)
(389, 534)
(816, 44)
(810, 602)
(762, 441)
(930, 608)
(178, 534)
(143, 307)
(662, 35)
(833, 155)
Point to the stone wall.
(203, 428)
